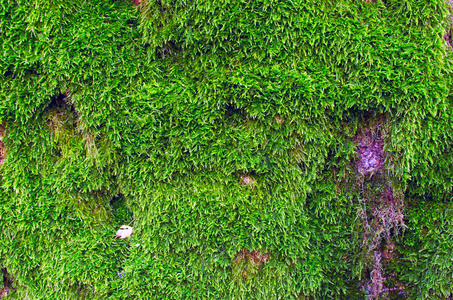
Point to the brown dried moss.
(279, 119)
(247, 262)
(256, 257)
(389, 252)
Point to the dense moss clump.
(260, 149)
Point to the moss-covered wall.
(227, 131)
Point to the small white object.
(137, 245)
(124, 231)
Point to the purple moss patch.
(370, 153)
(381, 211)
(448, 39)
(447, 36)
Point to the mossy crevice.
(84, 153)
(381, 207)
(61, 115)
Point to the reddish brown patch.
(4, 292)
(247, 181)
(256, 257)
(247, 262)
(137, 1)
(2, 145)
(389, 252)
(279, 119)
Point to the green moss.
(172, 102)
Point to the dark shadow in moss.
(61, 113)
(91, 206)
(167, 50)
(120, 210)
(231, 110)
(7, 284)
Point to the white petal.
(124, 232)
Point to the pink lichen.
(247, 180)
